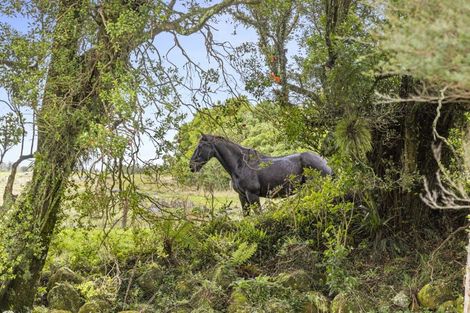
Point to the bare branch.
(197, 16)
(450, 193)
(303, 91)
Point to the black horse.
(255, 175)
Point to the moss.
(64, 297)
(447, 307)
(298, 280)
(151, 278)
(277, 306)
(459, 304)
(63, 274)
(401, 300)
(143, 308)
(342, 303)
(203, 308)
(40, 309)
(184, 288)
(95, 306)
(238, 302)
(434, 294)
(188, 310)
(263, 294)
(451, 306)
(315, 302)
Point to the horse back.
(312, 160)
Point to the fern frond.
(243, 253)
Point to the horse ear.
(203, 136)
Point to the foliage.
(353, 137)
(337, 277)
(91, 249)
(78, 67)
(104, 288)
(243, 253)
(429, 40)
(175, 235)
(435, 57)
(10, 133)
(227, 263)
(265, 295)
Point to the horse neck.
(228, 154)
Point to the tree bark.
(466, 148)
(31, 228)
(8, 196)
(34, 217)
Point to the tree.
(339, 77)
(275, 23)
(428, 41)
(10, 134)
(84, 69)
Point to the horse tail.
(315, 161)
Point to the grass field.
(191, 201)
(21, 180)
(165, 190)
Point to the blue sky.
(194, 44)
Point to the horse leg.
(249, 200)
(245, 204)
(253, 202)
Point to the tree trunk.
(8, 196)
(33, 219)
(32, 225)
(466, 148)
(405, 158)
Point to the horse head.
(204, 152)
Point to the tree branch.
(202, 15)
(8, 196)
(308, 93)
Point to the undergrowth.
(308, 247)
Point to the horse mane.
(212, 138)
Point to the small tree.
(10, 133)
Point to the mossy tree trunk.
(403, 155)
(466, 308)
(33, 222)
(34, 216)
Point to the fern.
(243, 253)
